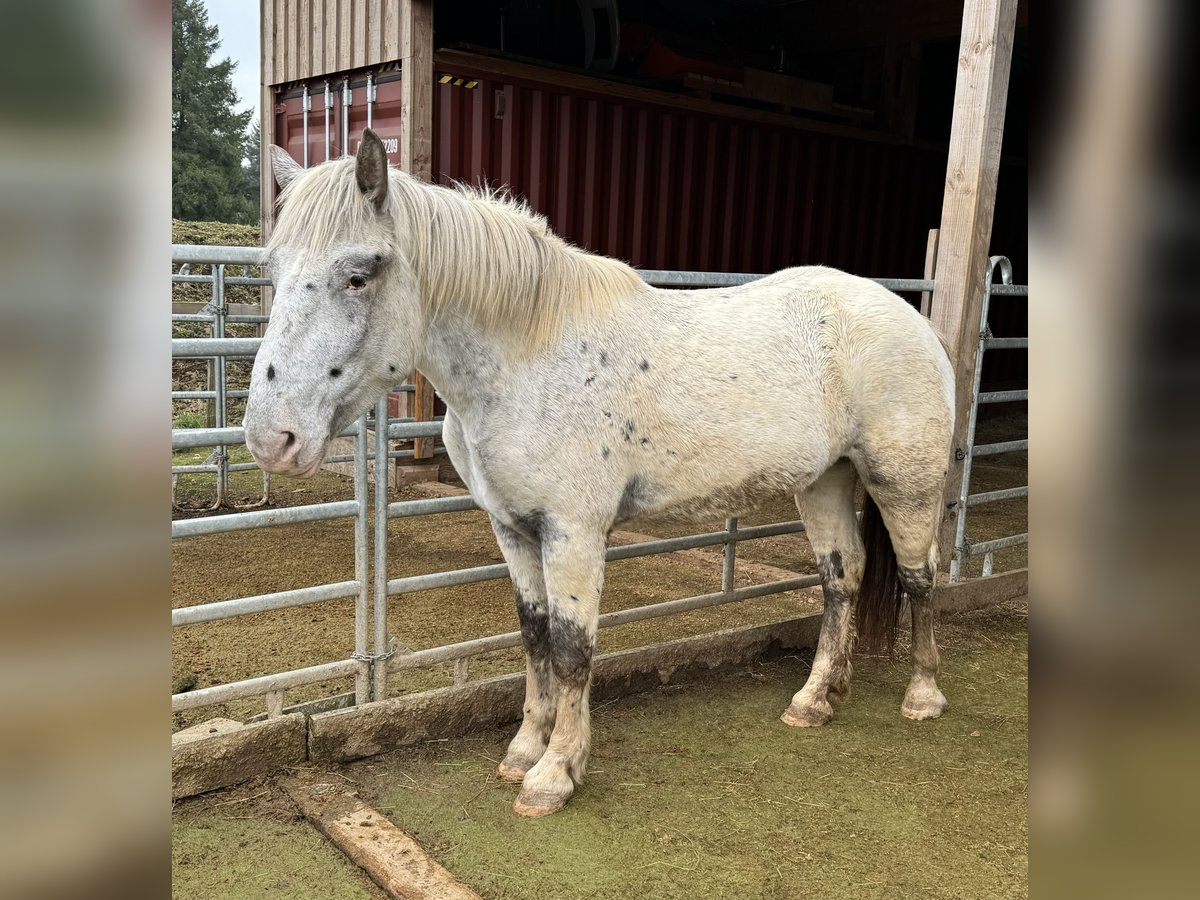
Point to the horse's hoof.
(924, 706)
(508, 772)
(807, 716)
(535, 804)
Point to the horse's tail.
(881, 594)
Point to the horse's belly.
(733, 499)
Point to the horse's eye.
(358, 282)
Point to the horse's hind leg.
(524, 559)
(827, 508)
(923, 699)
(910, 503)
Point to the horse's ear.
(371, 168)
(283, 167)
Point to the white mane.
(475, 251)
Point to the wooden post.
(980, 96)
(931, 247)
(266, 137)
(416, 147)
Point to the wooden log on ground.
(395, 861)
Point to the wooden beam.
(423, 412)
(416, 147)
(416, 117)
(980, 96)
(266, 136)
(393, 859)
(931, 248)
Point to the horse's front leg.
(573, 565)
(524, 558)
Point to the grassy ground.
(698, 792)
(251, 843)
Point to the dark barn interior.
(874, 78)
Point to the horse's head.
(346, 316)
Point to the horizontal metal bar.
(191, 348)
(212, 467)
(672, 607)
(1015, 540)
(208, 395)
(1006, 343)
(1001, 447)
(229, 280)
(191, 438)
(312, 707)
(1009, 290)
(207, 318)
(204, 254)
(256, 687)
(1003, 396)
(264, 518)
(694, 541)
(997, 496)
(415, 429)
(243, 606)
(462, 649)
(433, 580)
(669, 278)
(432, 507)
(413, 583)
(905, 284)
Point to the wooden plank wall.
(303, 39)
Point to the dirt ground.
(694, 792)
(225, 566)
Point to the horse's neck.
(464, 363)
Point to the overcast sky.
(238, 24)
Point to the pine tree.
(208, 137)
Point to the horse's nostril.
(288, 439)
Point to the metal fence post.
(730, 560)
(960, 526)
(382, 461)
(362, 605)
(221, 452)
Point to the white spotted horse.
(632, 400)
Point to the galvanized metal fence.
(964, 547)
(375, 656)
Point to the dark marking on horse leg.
(270, 373)
(571, 649)
(644, 366)
(604, 451)
(603, 358)
(830, 567)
